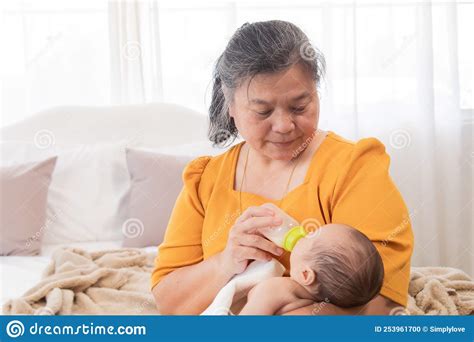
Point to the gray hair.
(261, 47)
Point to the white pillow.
(196, 149)
(87, 186)
(85, 194)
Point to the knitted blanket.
(76, 282)
(113, 282)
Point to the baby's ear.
(308, 275)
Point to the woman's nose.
(282, 122)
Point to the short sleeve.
(181, 245)
(366, 198)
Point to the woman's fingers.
(256, 241)
(245, 253)
(254, 212)
(244, 243)
(254, 223)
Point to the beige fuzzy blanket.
(77, 282)
(440, 291)
(114, 282)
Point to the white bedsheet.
(20, 273)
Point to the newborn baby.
(337, 264)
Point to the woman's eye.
(298, 109)
(264, 112)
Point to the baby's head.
(338, 264)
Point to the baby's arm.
(268, 297)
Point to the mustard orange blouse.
(347, 182)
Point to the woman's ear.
(308, 276)
(227, 95)
(231, 110)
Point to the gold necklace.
(245, 171)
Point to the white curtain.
(399, 71)
(136, 73)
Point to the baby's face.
(328, 235)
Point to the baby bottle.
(288, 233)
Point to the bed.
(20, 273)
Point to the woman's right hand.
(245, 244)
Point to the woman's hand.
(245, 244)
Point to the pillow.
(23, 198)
(156, 180)
(88, 186)
(196, 149)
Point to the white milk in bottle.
(288, 233)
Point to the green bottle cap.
(292, 236)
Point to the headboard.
(149, 125)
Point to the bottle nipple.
(292, 236)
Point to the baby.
(337, 264)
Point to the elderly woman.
(265, 89)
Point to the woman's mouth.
(283, 144)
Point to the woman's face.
(277, 112)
